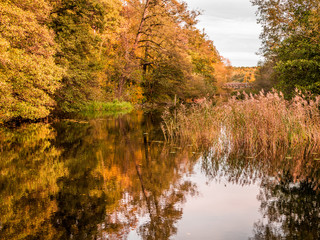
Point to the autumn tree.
(83, 31)
(66, 54)
(163, 52)
(29, 76)
(177, 58)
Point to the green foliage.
(298, 66)
(204, 57)
(291, 44)
(264, 76)
(77, 25)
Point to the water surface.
(115, 178)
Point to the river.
(115, 178)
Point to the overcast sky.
(231, 24)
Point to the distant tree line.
(291, 45)
(63, 54)
(243, 74)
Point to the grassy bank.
(262, 123)
(99, 109)
(107, 106)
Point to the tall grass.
(262, 123)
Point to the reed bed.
(262, 123)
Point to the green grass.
(114, 106)
(100, 109)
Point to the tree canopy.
(291, 43)
(65, 54)
(29, 75)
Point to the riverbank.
(90, 110)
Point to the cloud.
(231, 24)
(230, 9)
(245, 59)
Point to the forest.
(61, 56)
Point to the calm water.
(114, 178)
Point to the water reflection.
(29, 170)
(289, 188)
(81, 199)
(291, 210)
(114, 178)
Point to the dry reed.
(262, 123)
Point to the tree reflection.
(155, 187)
(29, 169)
(164, 192)
(289, 183)
(81, 200)
(246, 166)
(164, 213)
(291, 210)
(118, 174)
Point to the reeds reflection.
(290, 210)
(289, 187)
